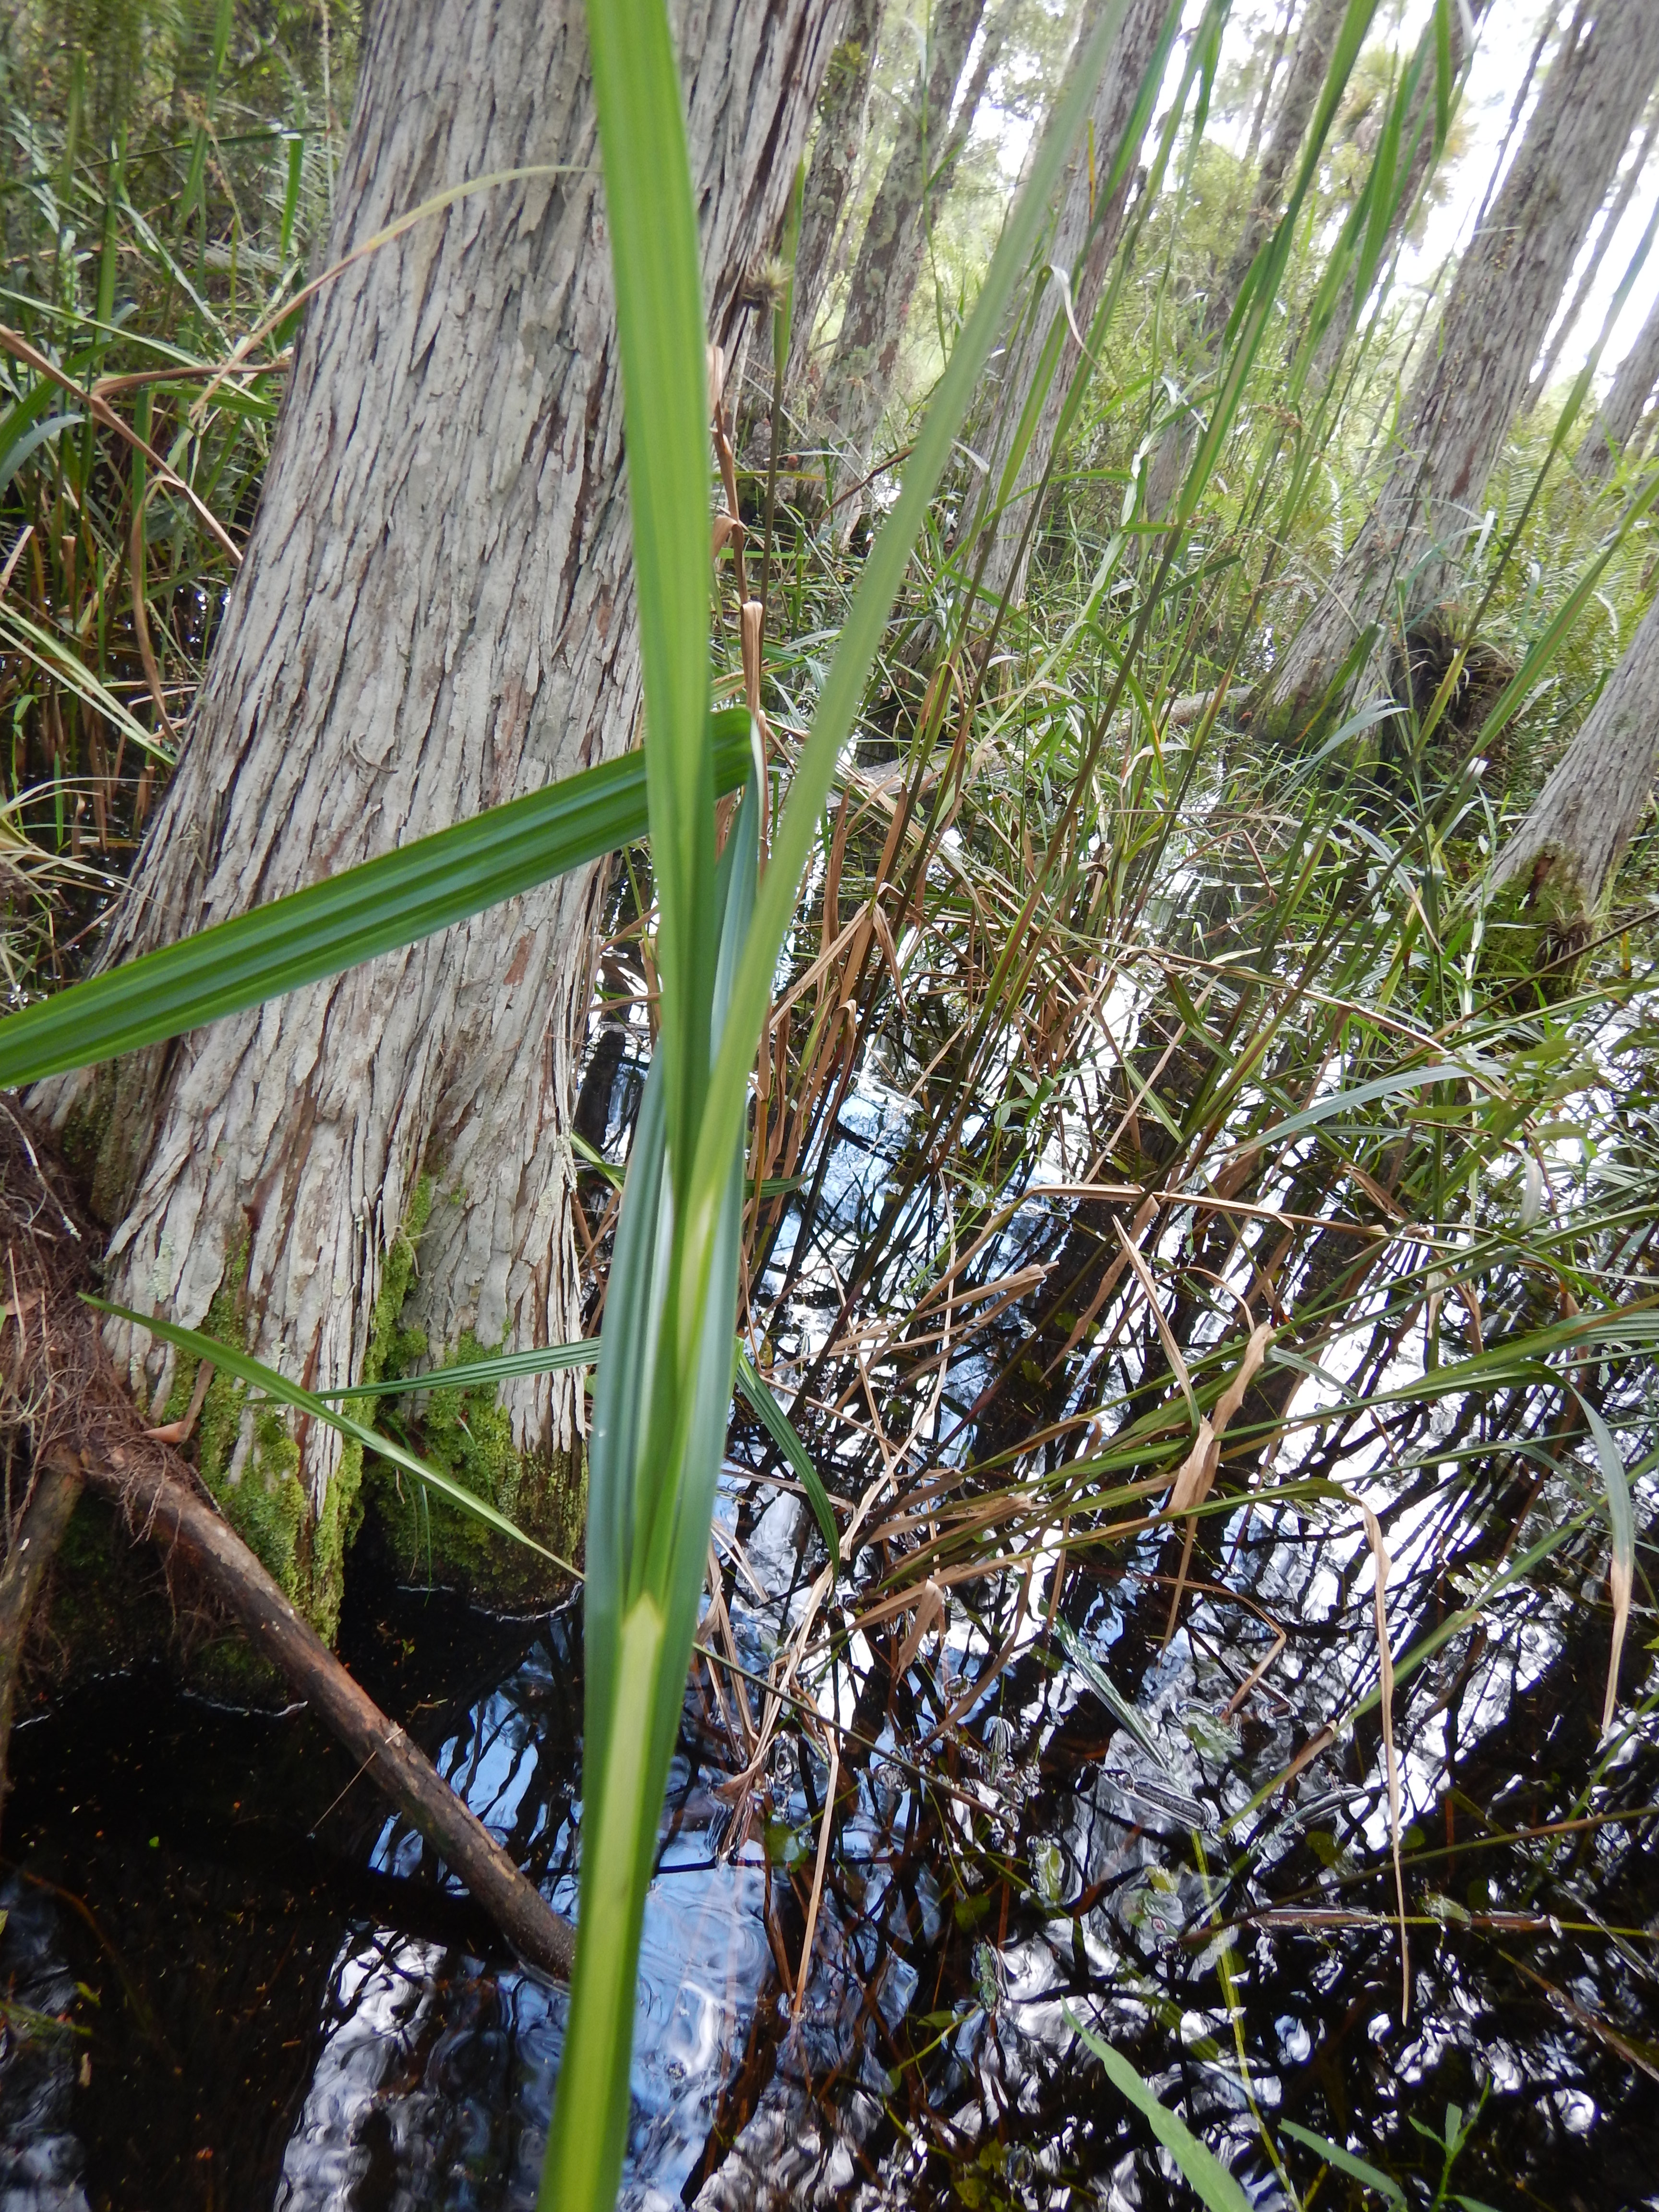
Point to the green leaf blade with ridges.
(357, 915)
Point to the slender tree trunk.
(1085, 241)
(927, 145)
(1418, 134)
(1269, 79)
(435, 614)
(843, 119)
(1566, 853)
(1309, 65)
(1619, 418)
(1465, 395)
(1304, 81)
(1567, 322)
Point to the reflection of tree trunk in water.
(927, 146)
(1310, 63)
(1085, 241)
(1619, 418)
(1566, 853)
(1508, 287)
(435, 614)
(844, 116)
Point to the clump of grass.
(167, 178)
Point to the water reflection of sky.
(438, 2078)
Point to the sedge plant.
(666, 1368)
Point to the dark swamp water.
(233, 1981)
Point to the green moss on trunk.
(467, 1434)
(264, 1500)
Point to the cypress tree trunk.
(1465, 396)
(1085, 241)
(1619, 415)
(1269, 81)
(435, 614)
(843, 119)
(1309, 65)
(926, 148)
(1566, 855)
(1604, 236)
(1310, 61)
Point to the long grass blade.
(785, 1434)
(1621, 1572)
(1215, 2187)
(660, 324)
(374, 909)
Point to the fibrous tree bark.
(1619, 417)
(931, 133)
(1566, 853)
(435, 613)
(1316, 42)
(1464, 396)
(1085, 238)
(1269, 81)
(843, 121)
(1310, 63)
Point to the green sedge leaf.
(1215, 2188)
(246, 1369)
(1344, 2162)
(663, 341)
(1621, 1580)
(500, 1367)
(861, 638)
(785, 1434)
(386, 902)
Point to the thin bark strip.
(843, 119)
(1085, 241)
(435, 613)
(1507, 290)
(1565, 855)
(933, 129)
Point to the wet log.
(192, 1529)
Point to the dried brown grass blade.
(818, 1877)
(930, 1608)
(1197, 1472)
(1171, 1349)
(1391, 1762)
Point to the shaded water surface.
(233, 1981)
